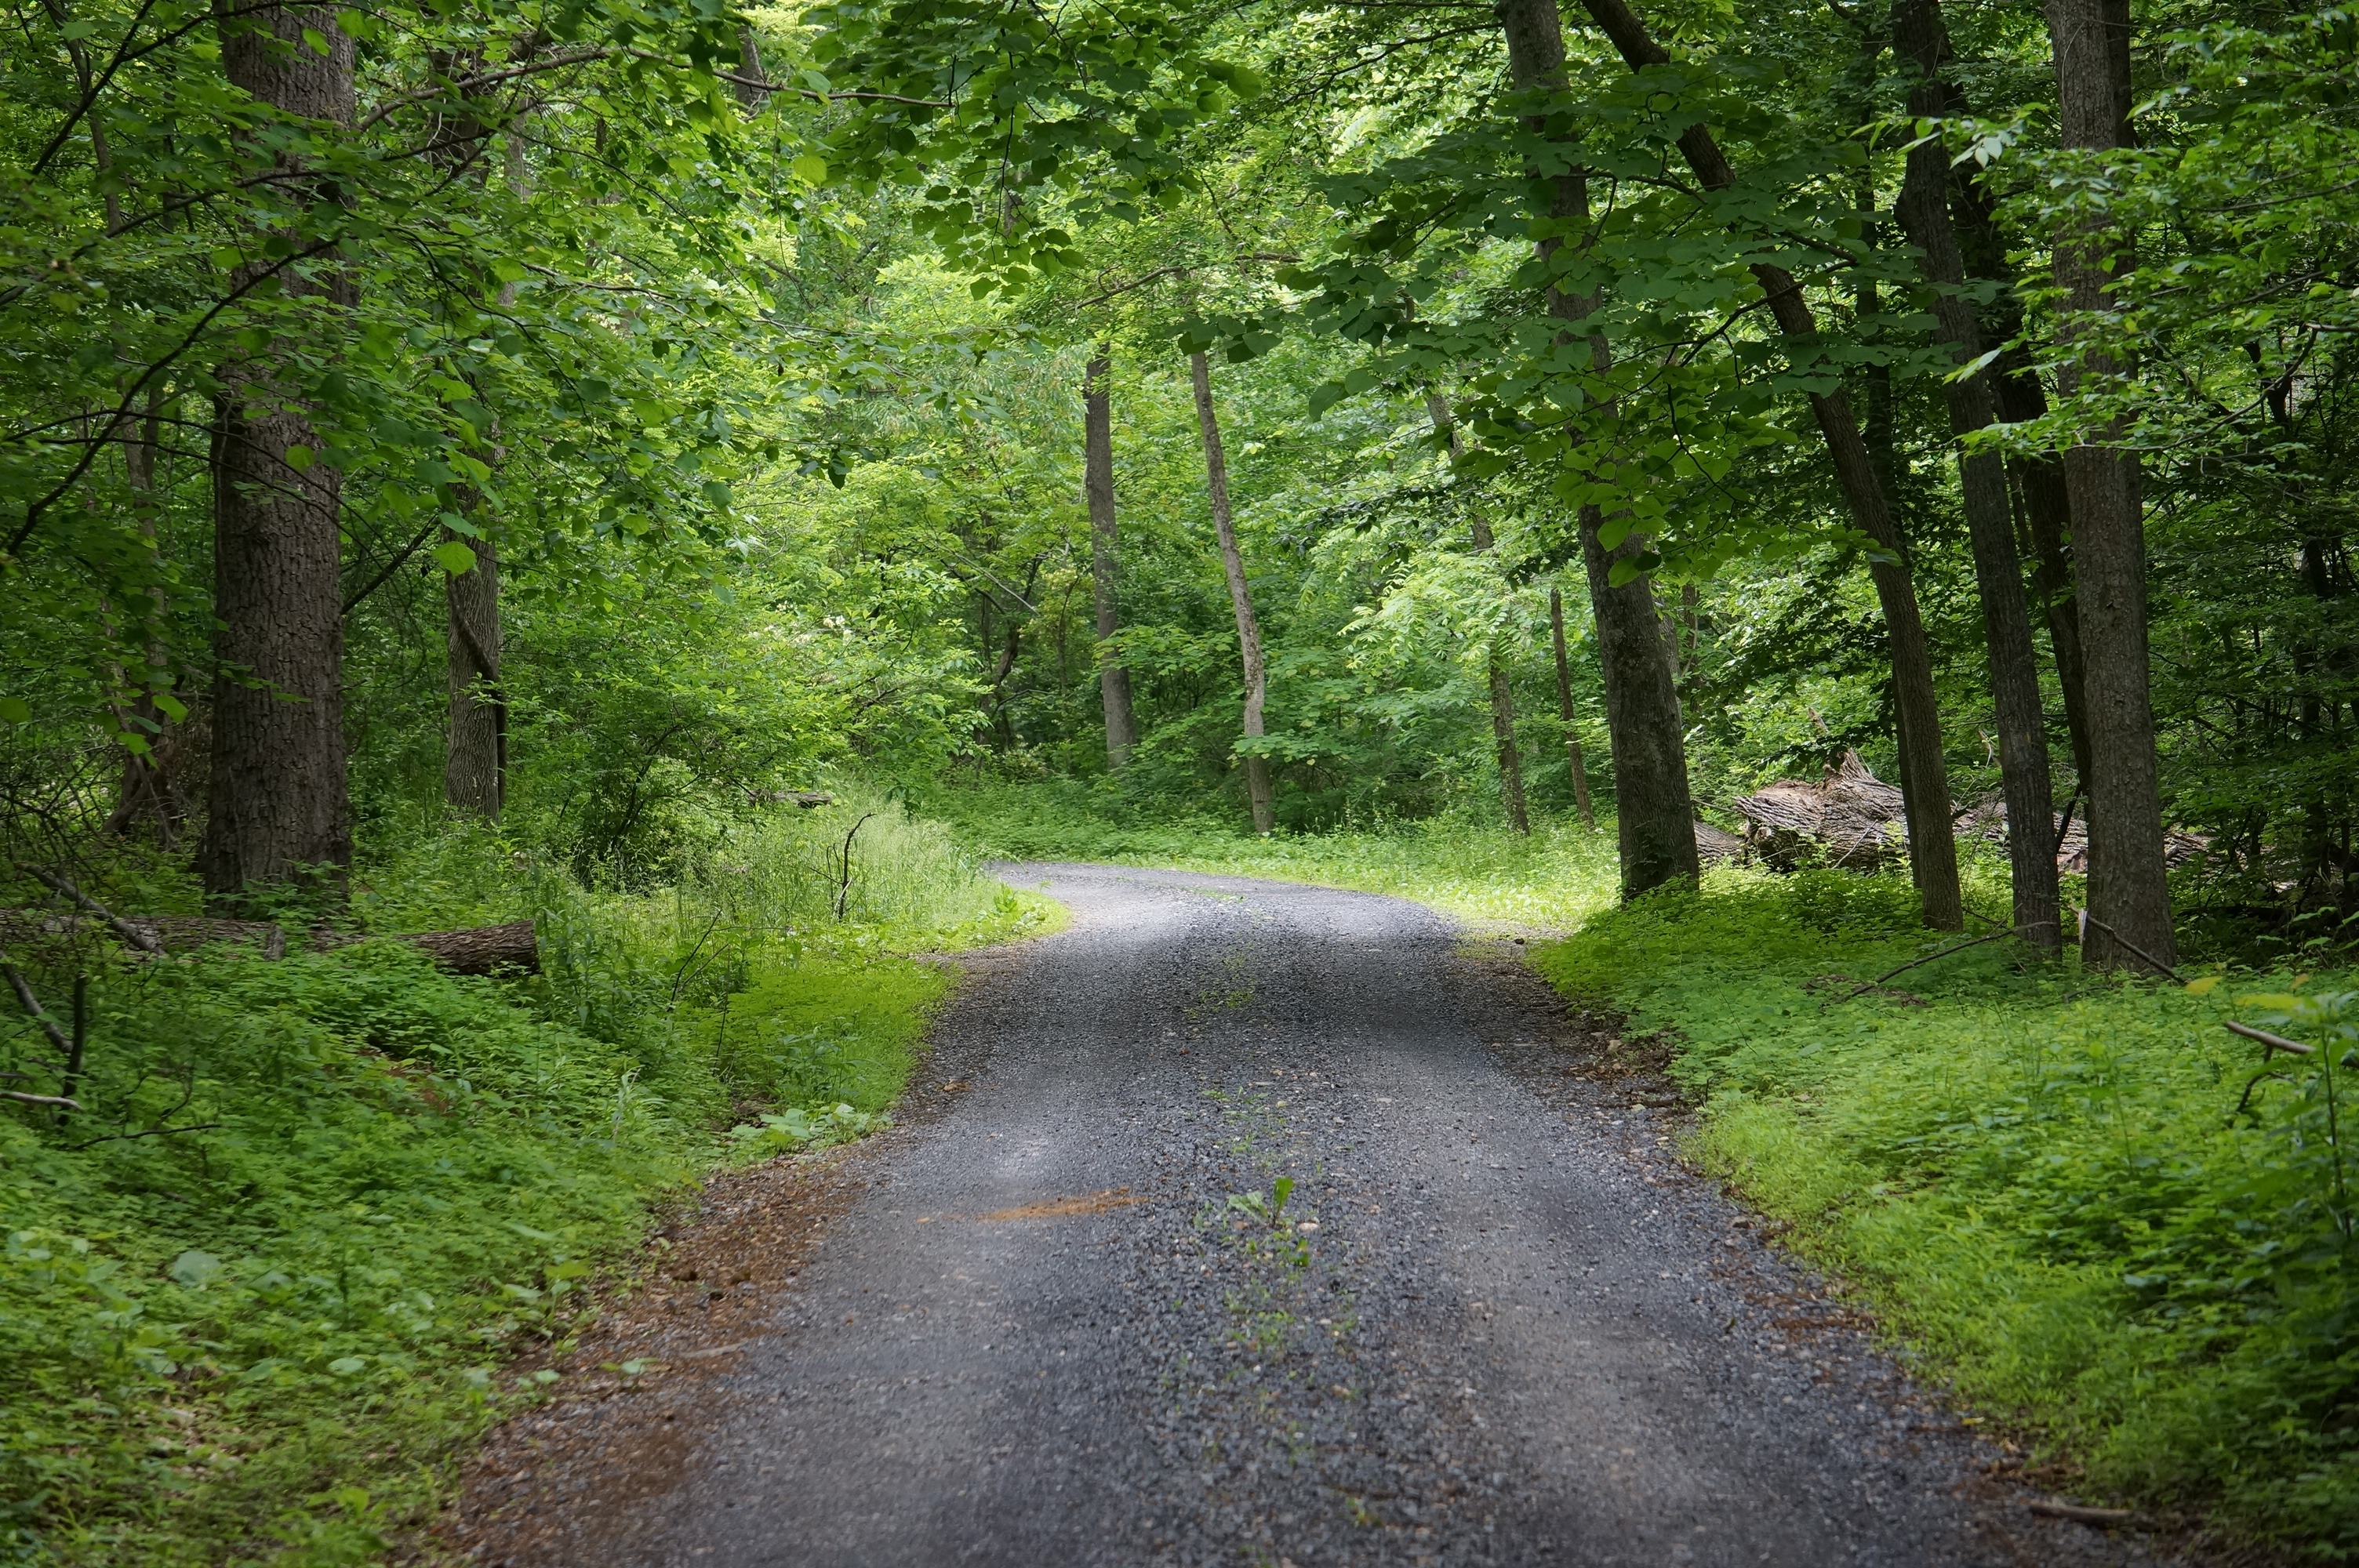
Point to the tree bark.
(1564, 713)
(1503, 700)
(2043, 502)
(1932, 853)
(1216, 478)
(2129, 889)
(278, 807)
(750, 98)
(1654, 815)
(474, 770)
(1924, 212)
(1097, 481)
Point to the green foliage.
(784, 1132)
(2044, 1179)
(255, 1293)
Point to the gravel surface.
(1062, 1318)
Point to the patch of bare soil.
(1563, 1053)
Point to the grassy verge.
(1550, 880)
(259, 1290)
(2042, 1179)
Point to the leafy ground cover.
(258, 1291)
(2053, 1187)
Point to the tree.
(1653, 813)
(2129, 890)
(1113, 679)
(1924, 213)
(1216, 480)
(1924, 771)
(1564, 709)
(278, 801)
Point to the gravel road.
(1064, 1320)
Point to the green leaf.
(454, 557)
(299, 458)
(15, 710)
(195, 1270)
(810, 168)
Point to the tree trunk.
(2129, 890)
(750, 98)
(1924, 212)
(1503, 700)
(2043, 502)
(1655, 816)
(474, 770)
(1097, 480)
(1925, 775)
(279, 802)
(1216, 479)
(1564, 711)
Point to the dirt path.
(1494, 1323)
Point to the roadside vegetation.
(260, 1288)
(601, 485)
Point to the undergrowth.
(260, 1288)
(2042, 1176)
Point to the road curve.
(1493, 1323)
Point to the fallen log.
(477, 950)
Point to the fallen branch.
(147, 1132)
(145, 941)
(2079, 1514)
(1954, 948)
(32, 1005)
(2156, 965)
(61, 1101)
(478, 950)
(2274, 1042)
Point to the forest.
(544, 548)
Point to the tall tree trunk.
(2129, 890)
(1097, 480)
(1925, 775)
(1924, 212)
(2043, 503)
(279, 802)
(474, 770)
(1564, 711)
(1216, 478)
(475, 760)
(1503, 700)
(1654, 815)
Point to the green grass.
(263, 1339)
(2038, 1178)
(2037, 1175)
(1552, 881)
